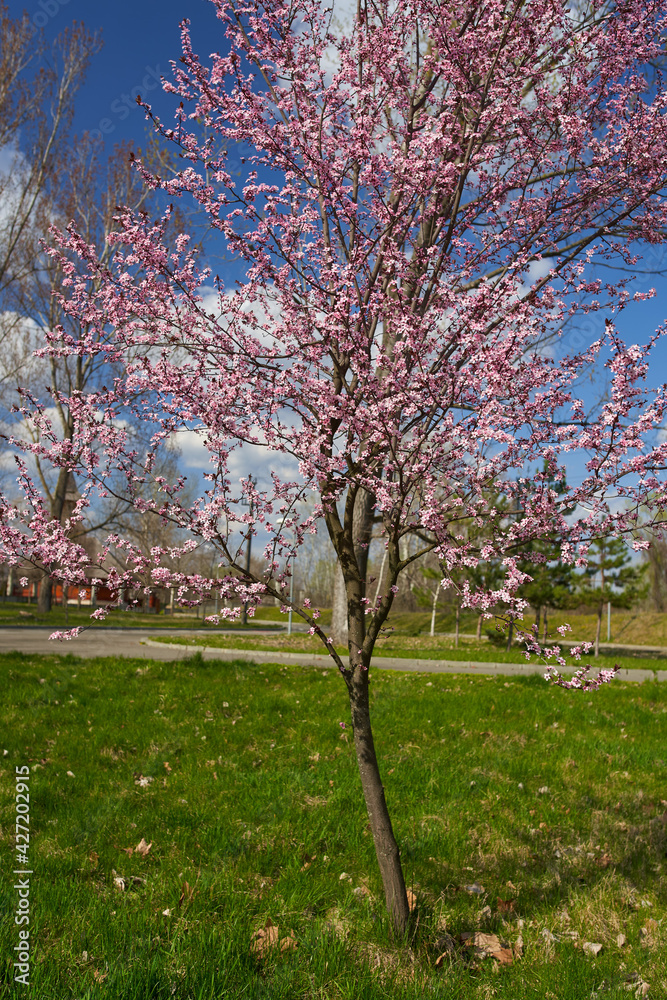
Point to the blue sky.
(142, 36)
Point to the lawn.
(524, 811)
(13, 614)
(404, 646)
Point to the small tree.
(609, 576)
(424, 198)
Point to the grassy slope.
(407, 647)
(14, 614)
(259, 812)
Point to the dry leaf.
(592, 947)
(167, 767)
(488, 945)
(267, 938)
(143, 848)
(93, 857)
(287, 943)
(506, 905)
(649, 931)
(621, 940)
(504, 956)
(518, 947)
(98, 976)
(166, 913)
(142, 782)
(119, 883)
(412, 899)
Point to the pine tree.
(610, 577)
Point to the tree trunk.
(456, 635)
(386, 848)
(479, 628)
(598, 628)
(435, 601)
(65, 479)
(45, 595)
(510, 633)
(339, 626)
(545, 634)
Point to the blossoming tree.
(424, 198)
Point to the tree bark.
(545, 634)
(510, 633)
(339, 626)
(479, 628)
(45, 595)
(456, 635)
(386, 848)
(45, 598)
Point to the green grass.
(259, 812)
(405, 647)
(13, 614)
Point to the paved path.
(137, 643)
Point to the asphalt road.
(136, 643)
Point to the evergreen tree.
(610, 577)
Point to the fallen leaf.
(93, 857)
(119, 883)
(166, 913)
(649, 931)
(518, 947)
(267, 938)
(488, 945)
(98, 976)
(127, 850)
(412, 899)
(506, 905)
(143, 848)
(484, 914)
(142, 782)
(167, 766)
(504, 956)
(70, 774)
(592, 947)
(548, 935)
(604, 860)
(621, 940)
